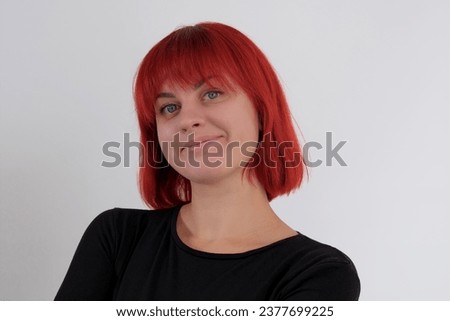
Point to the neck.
(228, 211)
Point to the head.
(223, 55)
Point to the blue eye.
(212, 94)
(171, 108)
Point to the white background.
(374, 73)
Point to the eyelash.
(163, 108)
(217, 92)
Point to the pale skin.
(228, 213)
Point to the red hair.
(196, 53)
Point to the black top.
(130, 254)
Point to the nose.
(191, 116)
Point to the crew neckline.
(212, 255)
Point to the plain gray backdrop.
(373, 73)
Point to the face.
(207, 133)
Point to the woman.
(218, 146)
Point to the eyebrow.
(165, 95)
(199, 84)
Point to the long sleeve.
(91, 274)
(327, 281)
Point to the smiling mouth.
(198, 143)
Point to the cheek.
(165, 130)
(165, 136)
(247, 119)
(247, 125)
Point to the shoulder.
(123, 227)
(117, 231)
(318, 271)
(316, 252)
(126, 218)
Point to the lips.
(199, 141)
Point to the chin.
(202, 175)
(203, 170)
(206, 175)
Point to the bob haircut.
(197, 53)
